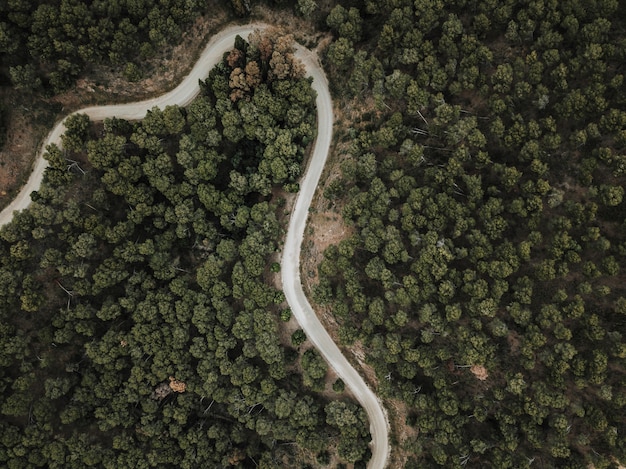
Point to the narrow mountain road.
(290, 269)
(290, 265)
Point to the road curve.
(290, 269)
(182, 95)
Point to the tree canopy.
(50, 43)
(139, 322)
(482, 179)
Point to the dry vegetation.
(303, 30)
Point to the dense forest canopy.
(482, 151)
(483, 178)
(139, 325)
(50, 43)
(46, 46)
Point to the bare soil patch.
(303, 30)
(28, 124)
(404, 434)
(324, 229)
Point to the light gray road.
(290, 265)
(290, 270)
(182, 95)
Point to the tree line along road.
(182, 95)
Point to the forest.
(45, 46)
(482, 184)
(139, 321)
(479, 170)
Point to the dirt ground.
(17, 154)
(160, 73)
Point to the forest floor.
(303, 30)
(18, 153)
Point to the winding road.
(290, 264)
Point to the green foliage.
(51, 43)
(76, 128)
(285, 315)
(481, 179)
(339, 386)
(24, 77)
(136, 324)
(298, 338)
(314, 369)
(306, 7)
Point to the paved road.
(290, 265)
(290, 270)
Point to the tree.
(611, 195)
(342, 415)
(306, 7)
(347, 23)
(106, 152)
(298, 338)
(340, 53)
(314, 368)
(57, 387)
(173, 120)
(232, 126)
(24, 77)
